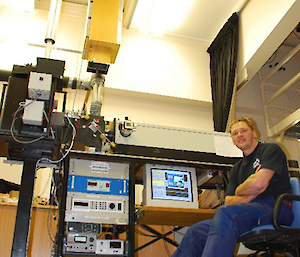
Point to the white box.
(109, 247)
(33, 112)
(39, 85)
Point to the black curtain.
(223, 57)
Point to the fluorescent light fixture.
(158, 16)
(19, 5)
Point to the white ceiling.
(200, 19)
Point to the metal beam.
(272, 85)
(132, 218)
(285, 124)
(265, 108)
(282, 108)
(284, 88)
(19, 248)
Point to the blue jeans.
(218, 237)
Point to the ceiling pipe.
(130, 7)
(240, 5)
(53, 17)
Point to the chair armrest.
(276, 213)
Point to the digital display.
(80, 239)
(99, 185)
(81, 203)
(92, 183)
(115, 245)
(171, 184)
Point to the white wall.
(148, 108)
(162, 65)
(22, 37)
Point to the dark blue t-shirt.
(269, 156)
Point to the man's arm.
(234, 199)
(256, 183)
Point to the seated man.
(255, 182)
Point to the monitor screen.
(170, 186)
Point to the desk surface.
(151, 215)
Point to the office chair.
(276, 238)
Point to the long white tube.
(53, 18)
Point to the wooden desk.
(151, 215)
(42, 224)
(181, 217)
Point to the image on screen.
(171, 185)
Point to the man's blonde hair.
(245, 119)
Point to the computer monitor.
(170, 186)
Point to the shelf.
(151, 215)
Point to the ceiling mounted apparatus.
(289, 120)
